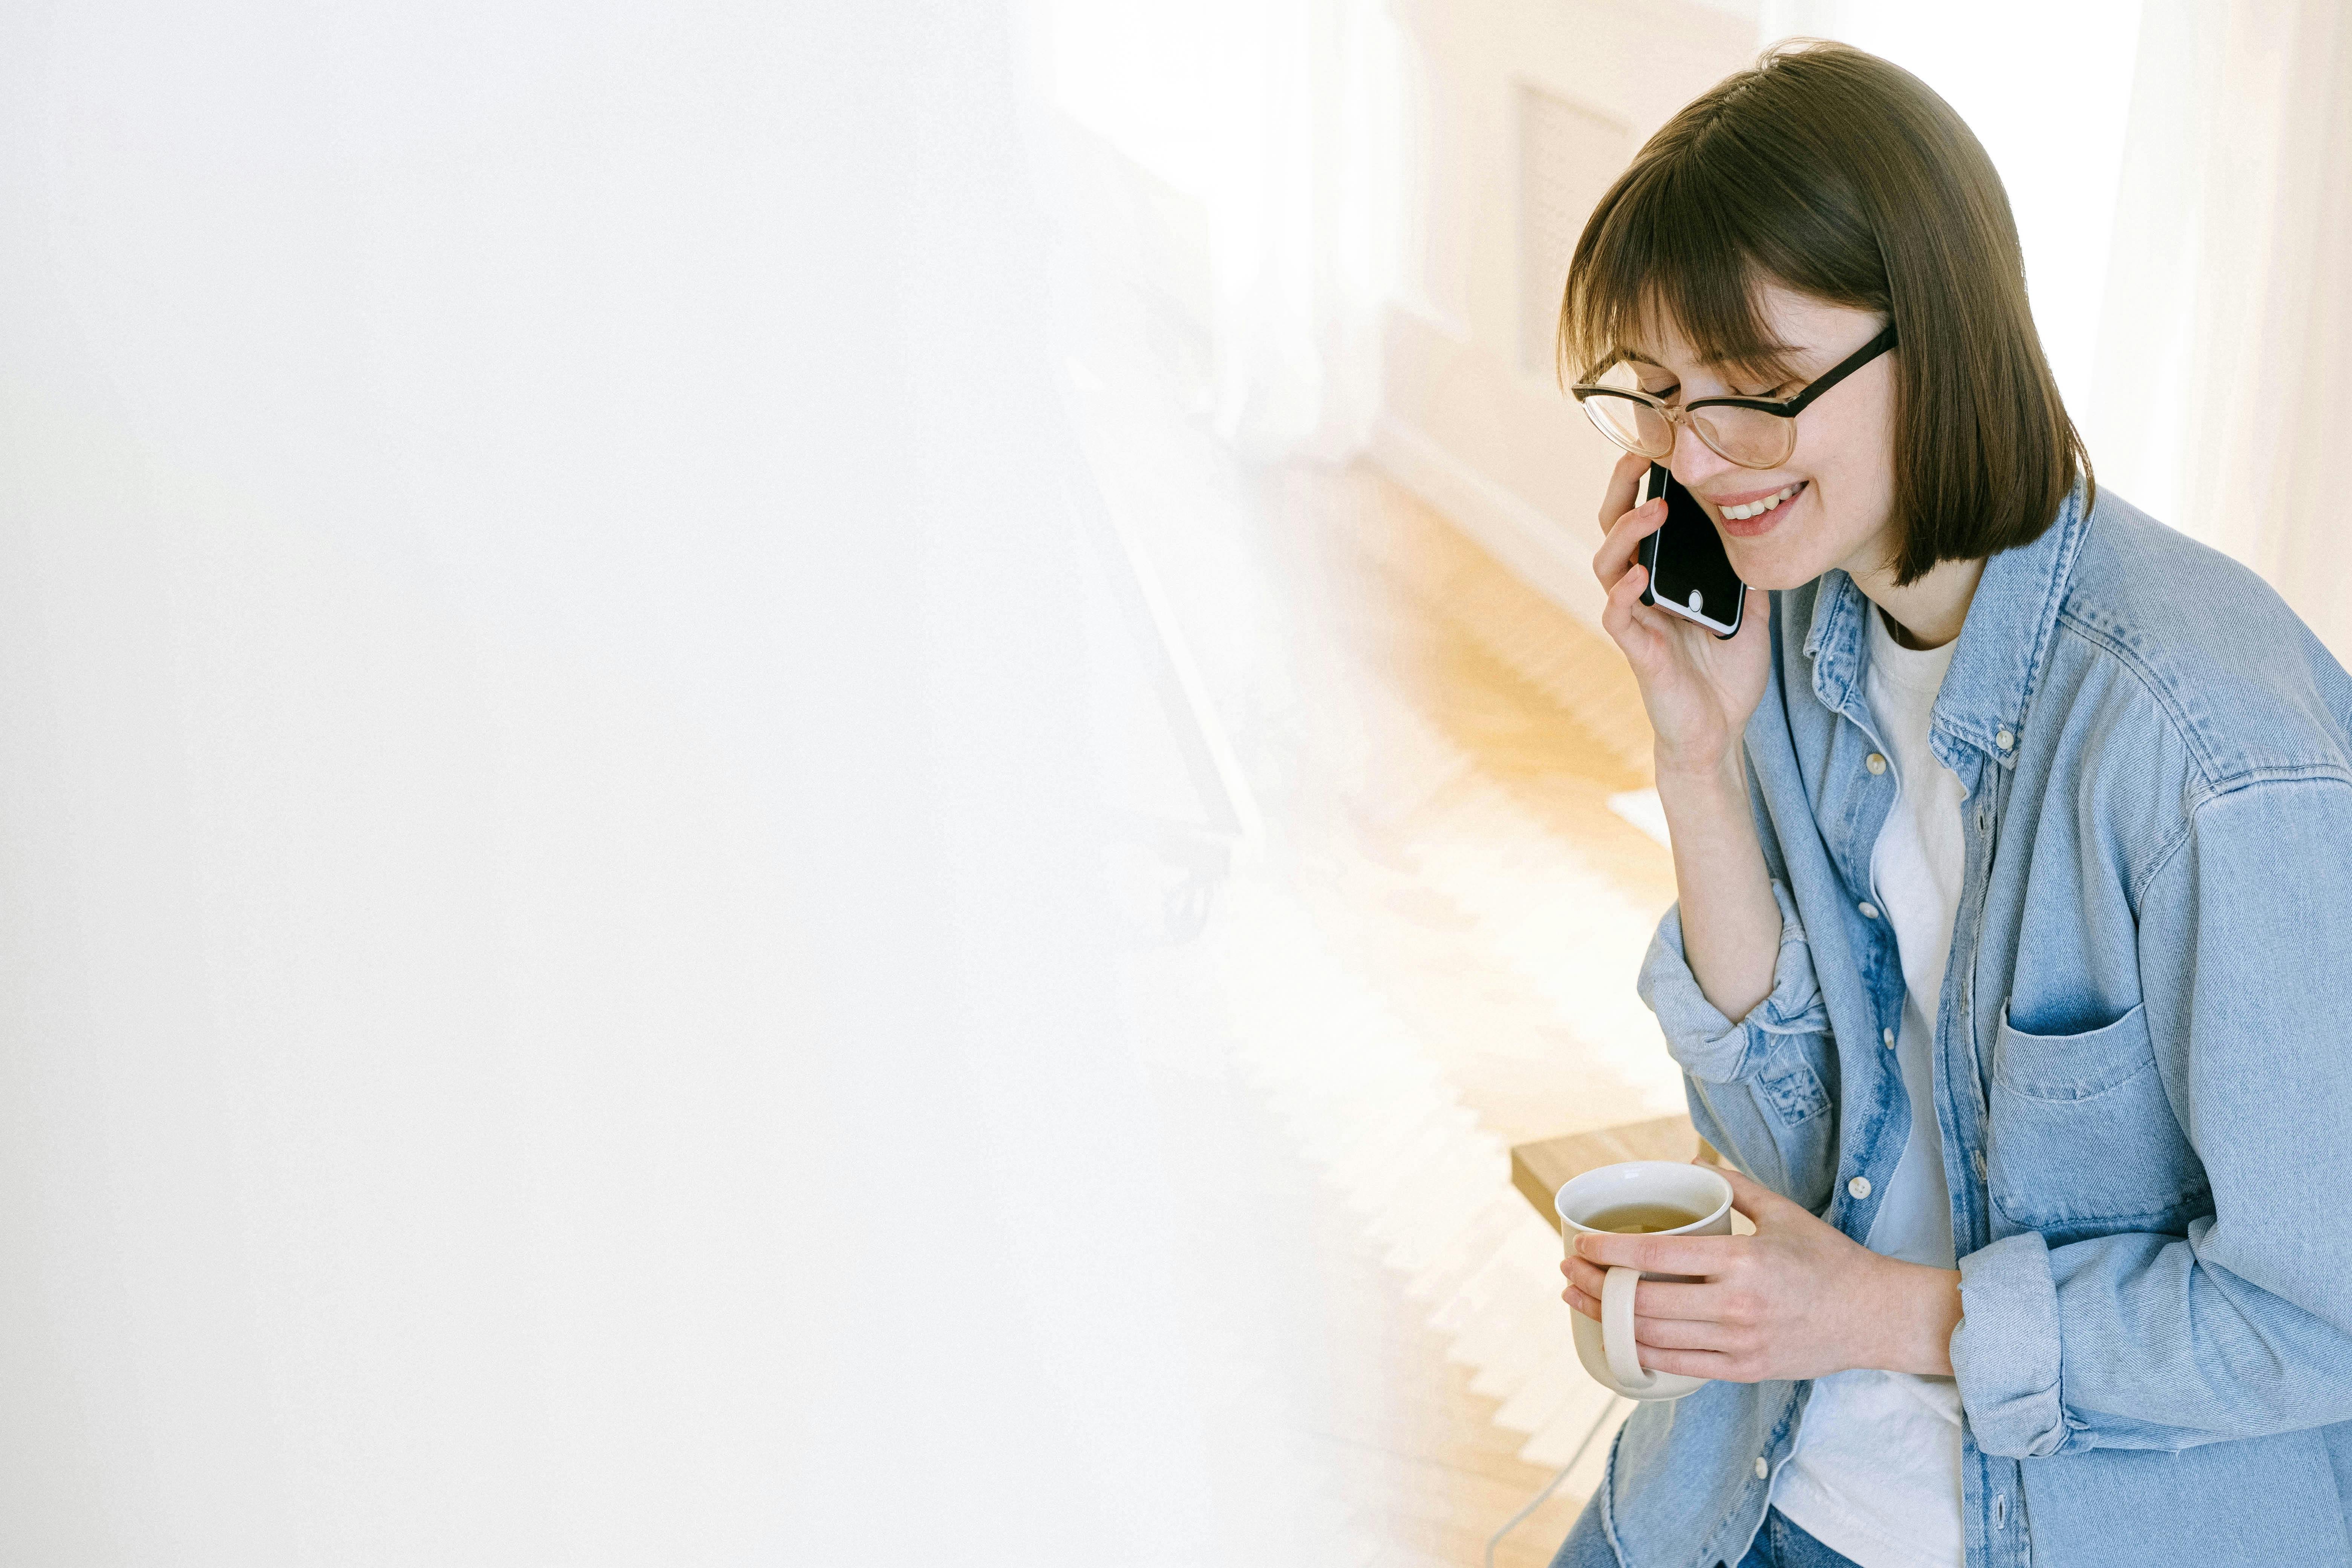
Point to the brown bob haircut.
(1839, 175)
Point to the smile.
(1758, 507)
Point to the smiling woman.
(2038, 1196)
(1825, 177)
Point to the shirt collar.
(2004, 643)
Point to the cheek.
(1809, 544)
(1856, 464)
(1851, 491)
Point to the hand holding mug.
(1666, 1202)
(1798, 1299)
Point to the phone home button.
(1697, 602)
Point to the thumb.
(1752, 1197)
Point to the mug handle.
(1617, 1330)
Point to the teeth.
(1758, 507)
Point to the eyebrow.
(1785, 351)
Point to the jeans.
(1778, 1544)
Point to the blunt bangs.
(1647, 269)
(1833, 172)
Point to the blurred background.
(828, 784)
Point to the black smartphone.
(1690, 576)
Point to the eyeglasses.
(1754, 432)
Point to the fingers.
(1622, 610)
(1691, 1334)
(1662, 1300)
(1625, 525)
(1696, 1348)
(1701, 1254)
(1624, 480)
(1624, 541)
(1713, 1364)
(1666, 1300)
(1656, 1298)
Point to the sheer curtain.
(2222, 392)
(1278, 119)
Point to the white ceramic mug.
(1607, 1347)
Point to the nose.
(1693, 462)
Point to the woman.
(2013, 833)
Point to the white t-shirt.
(1876, 1473)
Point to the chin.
(1780, 560)
(1773, 573)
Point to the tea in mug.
(1639, 1219)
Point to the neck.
(1927, 613)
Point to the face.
(1842, 472)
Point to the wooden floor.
(1432, 959)
(1429, 957)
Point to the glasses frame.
(1785, 408)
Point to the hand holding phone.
(1699, 690)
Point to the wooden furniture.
(1539, 1169)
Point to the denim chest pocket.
(2081, 1137)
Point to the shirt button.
(1887, 1038)
(1859, 1186)
(1763, 1469)
(1869, 911)
(2004, 740)
(1874, 762)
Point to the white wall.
(1468, 420)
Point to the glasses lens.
(1747, 436)
(1636, 426)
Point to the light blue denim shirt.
(2142, 1055)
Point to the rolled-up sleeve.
(2005, 1351)
(1708, 1045)
(1758, 1088)
(2240, 1327)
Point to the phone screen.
(1689, 573)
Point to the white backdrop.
(553, 1007)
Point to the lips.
(1754, 516)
